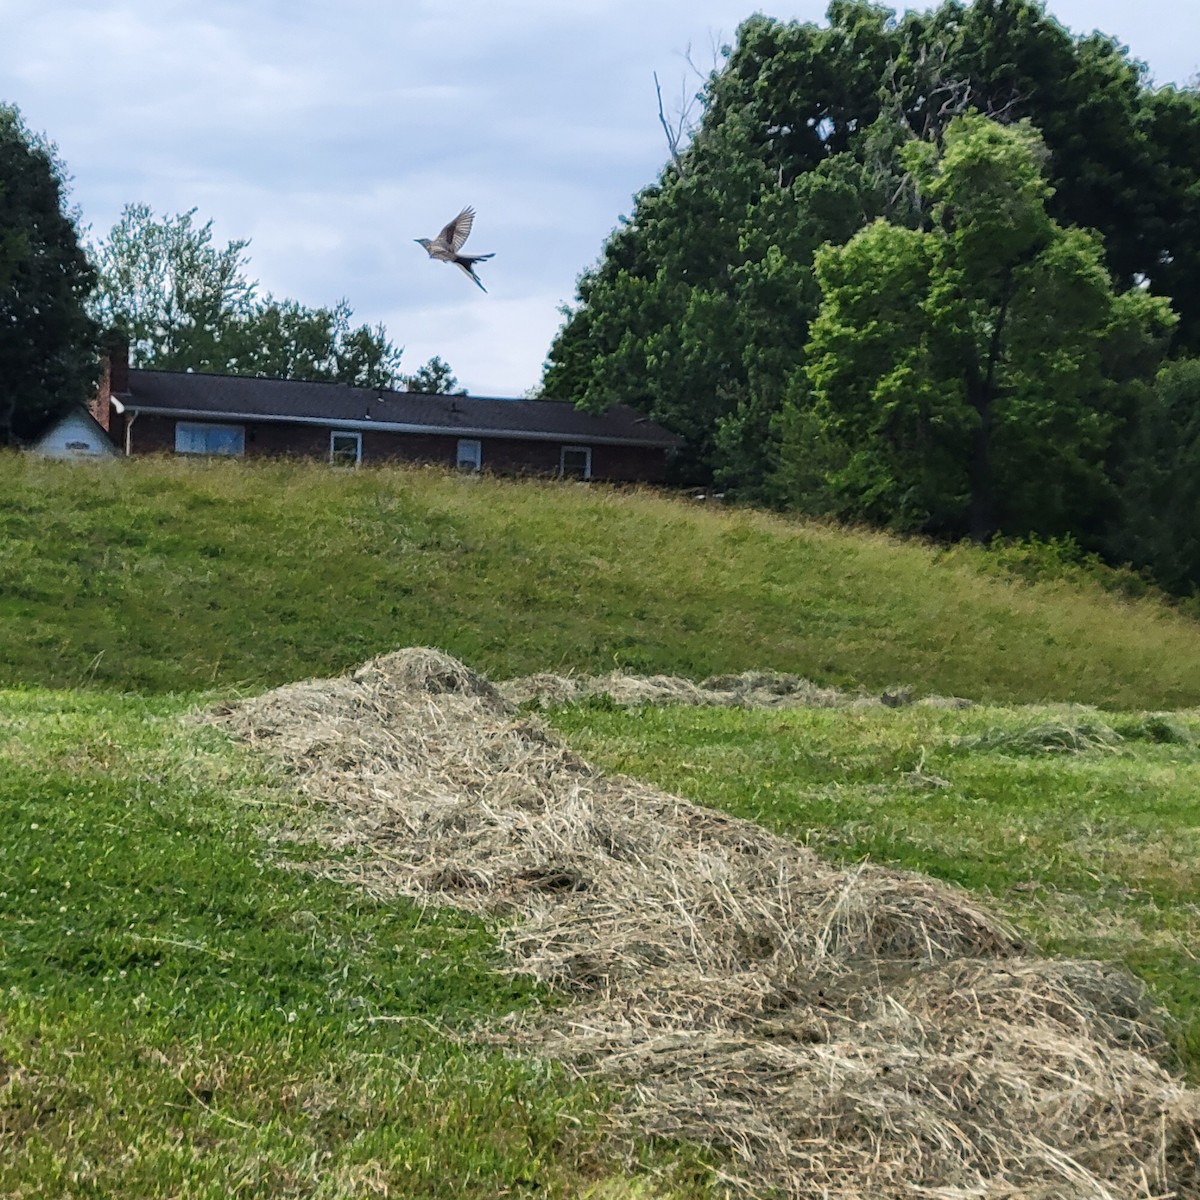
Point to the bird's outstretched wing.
(457, 232)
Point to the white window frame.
(334, 434)
(469, 454)
(204, 428)
(586, 451)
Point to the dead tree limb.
(674, 133)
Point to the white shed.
(76, 435)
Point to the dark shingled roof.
(246, 398)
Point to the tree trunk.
(981, 393)
(8, 416)
(983, 488)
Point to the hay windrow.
(749, 689)
(841, 1033)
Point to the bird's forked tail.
(466, 262)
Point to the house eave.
(399, 427)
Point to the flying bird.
(446, 246)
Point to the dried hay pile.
(750, 689)
(843, 1033)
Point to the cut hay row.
(749, 689)
(841, 1033)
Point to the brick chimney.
(118, 363)
(114, 380)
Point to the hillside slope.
(170, 575)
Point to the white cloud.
(488, 341)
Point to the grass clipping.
(837, 1033)
(750, 689)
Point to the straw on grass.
(839, 1033)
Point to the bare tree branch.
(682, 123)
(674, 133)
(924, 101)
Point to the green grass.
(181, 1014)
(1095, 852)
(165, 575)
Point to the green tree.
(281, 339)
(972, 375)
(186, 303)
(800, 143)
(435, 378)
(1124, 155)
(1159, 481)
(48, 342)
(173, 292)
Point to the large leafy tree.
(1124, 156)
(685, 302)
(971, 375)
(284, 340)
(48, 355)
(173, 292)
(698, 309)
(186, 302)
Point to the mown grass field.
(1090, 843)
(183, 1014)
(158, 576)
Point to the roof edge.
(660, 443)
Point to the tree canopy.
(969, 376)
(185, 302)
(914, 270)
(48, 354)
(435, 378)
(1158, 479)
(699, 308)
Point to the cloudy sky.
(331, 135)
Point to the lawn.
(185, 1015)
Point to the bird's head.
(422, 242)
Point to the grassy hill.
(160, 576)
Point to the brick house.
(155, 412)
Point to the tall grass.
(165, 575)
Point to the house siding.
(75, 436)
(155, 434)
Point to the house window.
(470, 454)
(192, 437)
(576, 462)
(345, 448)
